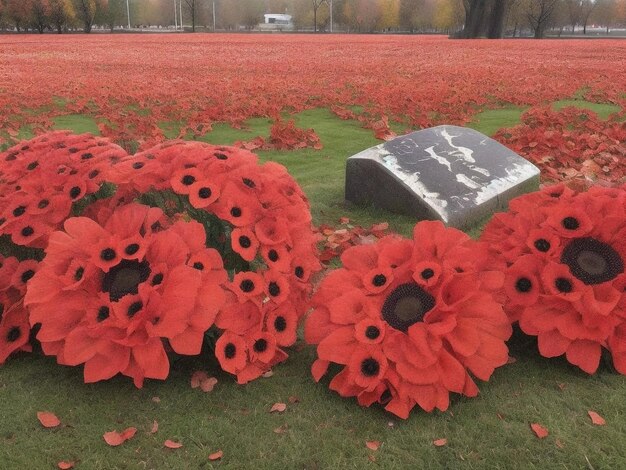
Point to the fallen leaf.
(539, 430)
(372, 445)
(65, 465)
(561, 386)
(500, 416)
(155, 427)
(281, 429)
(156, 399)
(268, 374)
(216, 455)
(391, 424)
(293, 400)
(114, 438)
(440, 442)
(47, 419)
(511, 360)
(197, 378)
(344, 220)
(172, 444)
(371, 457)
(208, 384)
(559, 443)
(596, 418)
(278, 407)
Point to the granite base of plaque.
(448, 173)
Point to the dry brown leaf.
(216, 455)
(278, 407)
(47, 419)
(440, 442)
(208, 384)
(197, 378)
(268, 374)
(559, 443)
(561, 386)
(65, 464)
(172, 444)
(511, 360)
(596, 418)
(155, 427)
(539, 430)
(293, 400)
(114, 438)
(500, 416)
(156, 399)
(372, 445)
(281, 429)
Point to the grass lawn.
(318, 429)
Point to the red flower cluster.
(14, 327)
(563, 255)
(273, 247)
(41, 180)
(410, 320)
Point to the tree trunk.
(496, 20)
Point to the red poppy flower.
(245, 243)
(565, 254)
(404, 343)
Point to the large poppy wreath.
(563, 254)
(178, 245)
(408, 321)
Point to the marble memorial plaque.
(448, 173)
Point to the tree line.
(463, 18)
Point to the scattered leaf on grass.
(208, 384)
(372, 445)
(561, 386)
(65, 465)
(293, 400)
(172, 444)
(511, 360)
(371, 457)
(559, 443)
(281, 429)
(440, 442)
(268, 374)
(216, 455)
(278, 407)
(114, 438)
(155, 427)
(500, 416)
(156, 399)
(197, 377)
(47, 419)
(539, 430)
(596, 418)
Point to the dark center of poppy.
(43, 204)
(563, 284)
(230, 350)
(379, 280)
(272, 255)
(132, 249)
(14, 334)
(592, 261)
(221, 156)
(406, 305)
(570, 223)
(138, 165)
(78, 274)
(32, 166)
(103, 313)
(204, 193)
(27, 231)
(235, 212)
(75, 192)
(108, 254)
(299, 272)
(125, 278)
(427, 273)
(372, 332)
(274, 289)
(134, 308)
(27, 275)
(92, 174)
(280, 324)
(260, 345)
(523, 284)
(542, 245)
(157, 279)
(248, 182)
(19, 210)
(198, 265)
(86, 156)
(370, 367)
(245, 242)
(247, 285)
(187, 180)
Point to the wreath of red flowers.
(181, 242)
(409, 321)
(563, 255)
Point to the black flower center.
(248, 182)
(138, 165)
(27, 275)
(134, 308)
(427, 273)
(379, 280)
(280, 324)
(235, 212)
(32, 166)
(245, 242)
(246, 285)
(188, 180)
(260, 345)
(86, 156)
(27, 231)
(570, 223)
(157, 279)
(221, 156)
(230, 350)
(14, 334)
(523, 284)
(406, 305)
(78, 274)
(103, 313)
(370, 367)
(75, 192)
(198, 265)
(108, 254)
(43, 204)
(274, 289)
(273, 256)
(19, 210)
(125, 278)
(204, 193)
(592, 261)
(132, 249)
(542, 245)
(299, 272)
(563, 284)
(372, 332)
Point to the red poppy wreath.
(408, 321)
(183, 243)
(563, 254)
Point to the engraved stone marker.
(448, 173)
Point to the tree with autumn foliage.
(61, 13)
(85, 13)
(17, 12)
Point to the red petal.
(47, 419)
(172, 444)
(539, 430)
(596, 418)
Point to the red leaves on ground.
(284, 136)
(114, 438)
(65, 464)
(47, 419)
(201, 379)
(172, 444)
(278, 407)
(596, 418)
(440, 442)
(337, 239)
(372, 445)
(216, 455)
(539, 430)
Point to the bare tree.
(540, 14)
(316, 4)
(61, 12)
(85, 11)
(39, 15)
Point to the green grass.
(491, 120)
(603, 110)
(322, 430)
